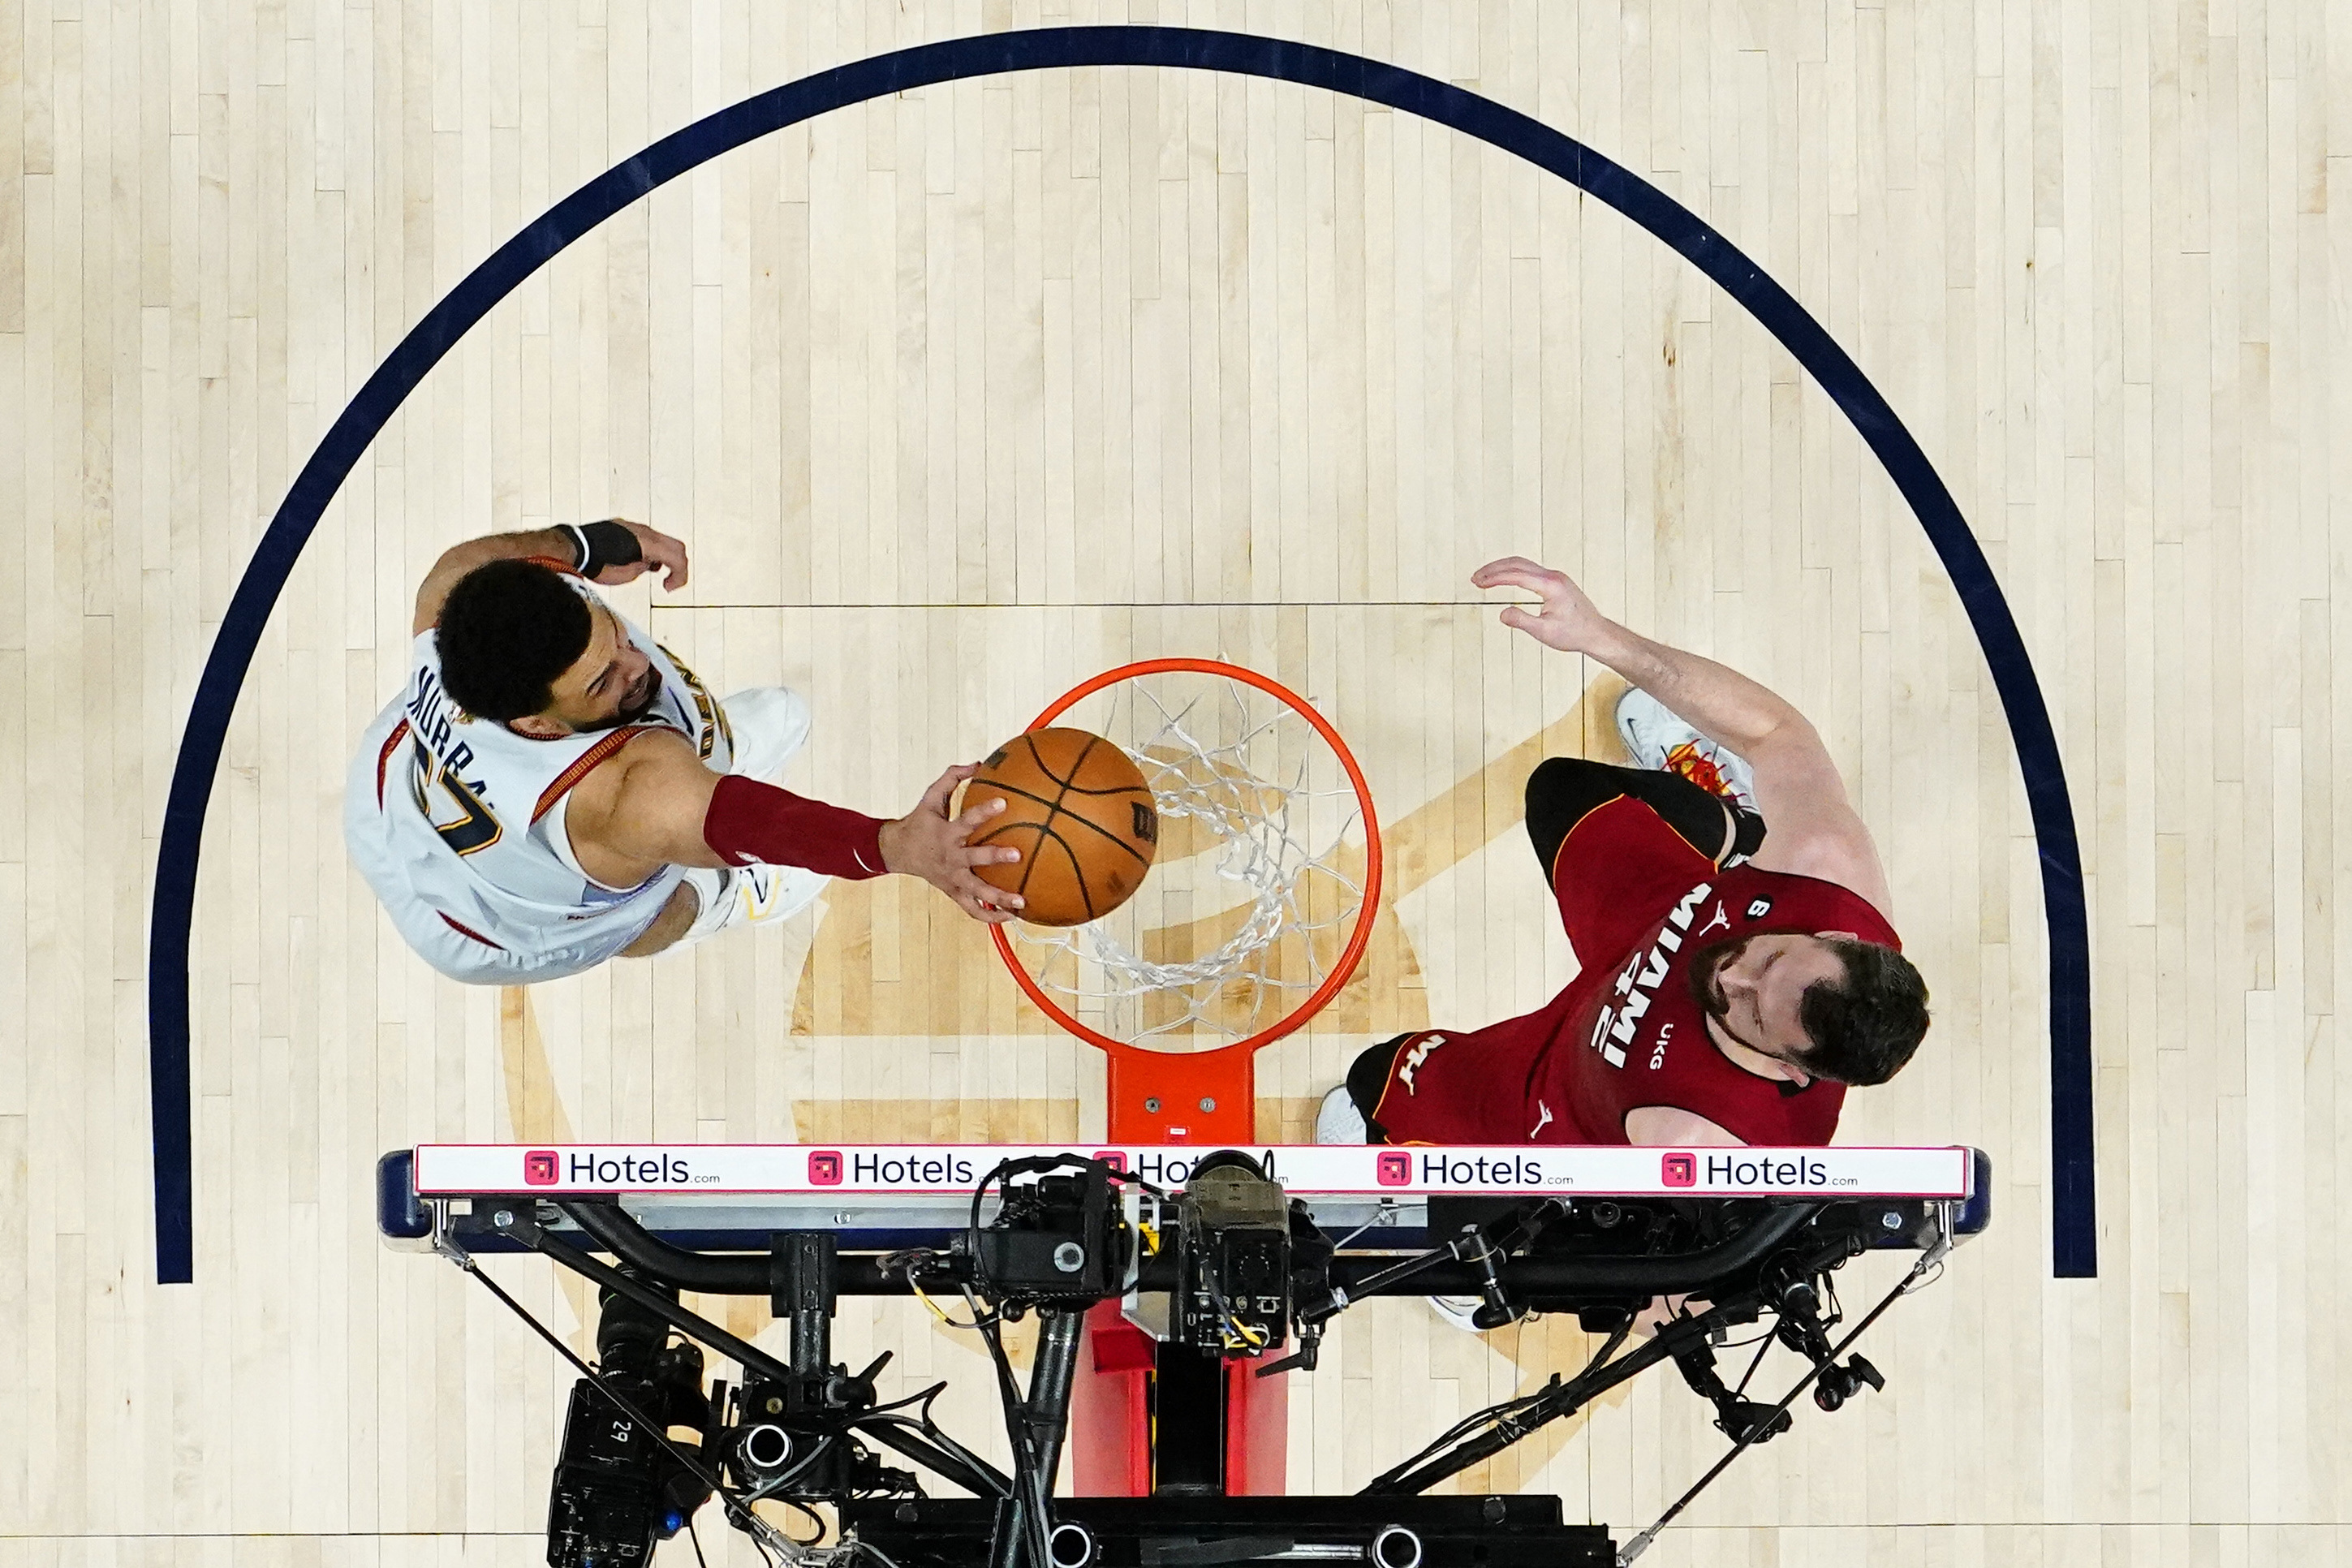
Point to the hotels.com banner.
(719, 1170)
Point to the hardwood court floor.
(965, 393)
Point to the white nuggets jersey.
(458, 825)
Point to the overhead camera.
(1232, 1294)
(627, 1478)
(1058, 1237)
(617, 1490)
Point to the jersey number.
(714, 717)
(472, 828)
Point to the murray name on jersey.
(431, 719)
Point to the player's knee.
(1368, 1079)
(1558, 781)
(1559, 791)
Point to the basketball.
(1081, 815)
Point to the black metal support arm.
(750, 1274)
(967, 1471)
(1434, 1465)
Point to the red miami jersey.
(1638, 902)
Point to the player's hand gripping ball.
(1077, 809)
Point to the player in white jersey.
(553, 788)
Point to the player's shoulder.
(606, 769)
(1849, 868)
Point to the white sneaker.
(1338, 1120)
(1656, 738)
(1456, 1310)
(749, 895)
(769, 724)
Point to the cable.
(936, 1311)
(1641, 1543)
(1031, 1489)
(1016, 1430)
(652, 1429)
(822, 1527)
(924, 1399)
(991, 1484)
(735, 1505)
(1234, 1327)
(735, 1509)
(1513, 1421)
(767, 1488)
(905, 1265)
(1763, 1343)
(1494, 1415)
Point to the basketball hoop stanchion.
(1202, 1097)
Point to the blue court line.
(2074, 1211)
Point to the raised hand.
(1566, 620)
(929, 843)
(658, 551)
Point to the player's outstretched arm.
(656, 805)
(655, 551)
(1814, 829)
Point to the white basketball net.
(1259, 880)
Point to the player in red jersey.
(1730, 987)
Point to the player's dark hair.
(1863, 1031)
(508, 629)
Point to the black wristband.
(608, 543)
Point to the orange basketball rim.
(1160, 1083)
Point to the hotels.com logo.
(1396, 1169)
(540, 1168)
(824, 1168)
(1116, 1159)
(1678, 1171)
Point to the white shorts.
(462, 958)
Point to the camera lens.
(1070, 1546)
(1396, 1547)
(765, 1447)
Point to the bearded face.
(1706, 965)
(635, 703)
(1753, 990)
